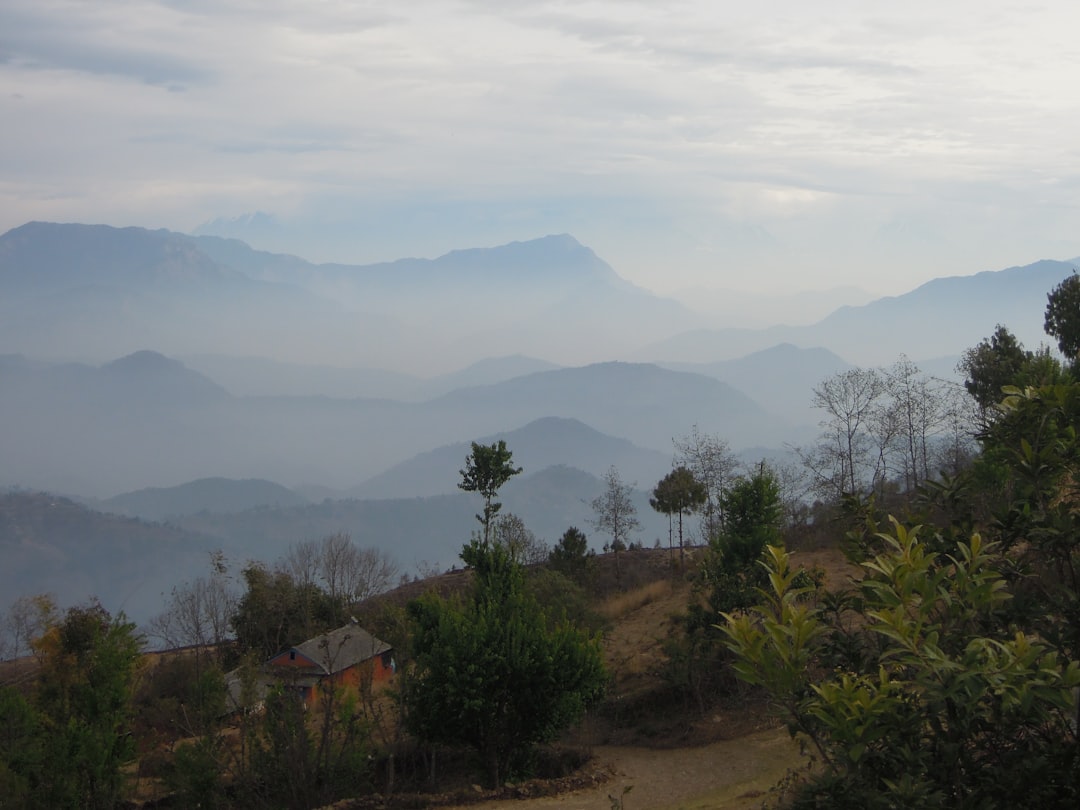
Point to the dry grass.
(619, 605)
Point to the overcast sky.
(758, 145)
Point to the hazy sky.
(752, 145)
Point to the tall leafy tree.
(275, 612)
(1062, 320)
(572, 556)
(997, 361)
(491, 673)
(84, 703)
(710, 459)
(678, 493)
(487, 468)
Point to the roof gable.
(342, 648)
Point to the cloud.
(673, 138)
(86, 38)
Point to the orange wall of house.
(354, 677)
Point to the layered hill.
(148, 421)
(942, 317)
(51, 544)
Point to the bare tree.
(336, 554)
(346, 572)
(616, 514)
(841, 462)
(919, 403)
(524, 546)
(26, 620)
(711, 461)
(961, 417)
(367, 572)
(301, 562)
(199, 612)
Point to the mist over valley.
(196, 394)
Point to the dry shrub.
(621, 604)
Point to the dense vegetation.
(942, 676)
(945, 676)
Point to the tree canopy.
(487, 468)
(1062, 320)
(490, 673)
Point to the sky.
(779, 145)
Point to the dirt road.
(731, 774)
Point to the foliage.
(297, 766)
(995, 362)
(195, 776)
(1001, 361)
(713, 464)
(26, 619)
(491, 674)
(1062, 319)
(572, 556)
(730, 572)
(678, 493)
(934, 701)
(562, 599)
(487, 468)
(510, 531)
(21, 750)
(1036, 440)
(728, 579)
(276, 612)
(67, 747)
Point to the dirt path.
(731, 774)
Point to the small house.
(349, 656)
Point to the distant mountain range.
(252, 399)
(146, 420)
(206, 495)
(548, 442)
(93, 292)
(940, 318)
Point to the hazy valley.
(185, 394)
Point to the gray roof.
(342, 648)
(234, 690)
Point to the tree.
(275, 612)
(615, 514)
(678, 493)
(711, 461)
(917, 690)
(997, 361)
(841, 462)
(572, 556)
(336, 565)
(731, 571)
(490, 673)
(199, 612)
(27, 618)
(89, 664)
(487, 468)
(918, 409)
(349, 573)
(525, 548)
(1062, 320)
